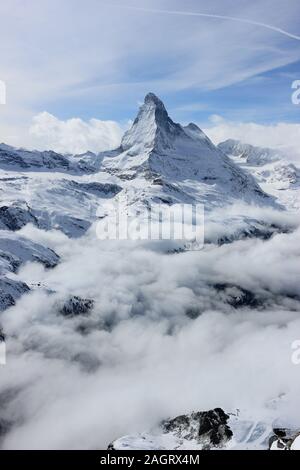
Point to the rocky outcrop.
(76, 306)
(96, 188)
(202, 430)
(21, 160)
(10, 291)
(16, 216)
(284, 439)
(208, 428)
(16, 250)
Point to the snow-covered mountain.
(248, 153)
(158, 162)
(23, 160)
(270, 167)
(177, 162)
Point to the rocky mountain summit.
(178, 161)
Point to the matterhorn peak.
(152, 128)
(151, 98)
(155, 146)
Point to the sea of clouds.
(161, 340)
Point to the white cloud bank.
(73, 135)
(137, 357)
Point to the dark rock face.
(18, 250)
(209, 428)
(53, 160)
(10, 291)
(204, 430)
(11, 261)
(73, 227)
(98, 189)
(26, 159)
(263, 231)
(283, 438)
(2, 335)
(237, 296)
(15, 216)
(10, 158)
(76, 306)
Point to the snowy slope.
(250, 154)
(50, 201)
(15, 251)
(22, 160)
(270, 167)
(204, 430)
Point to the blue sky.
(98, 58)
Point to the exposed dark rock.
(16, 250)
(237, 296)
(76, 306)
(15, 216)
(204, 430)
(10, 291)
(283, 438)
(73, 227)
(2, 335)
(209, 428)
(98, 189)
(257, 230)
(12, 262)
(26, 159)
(11, 158)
